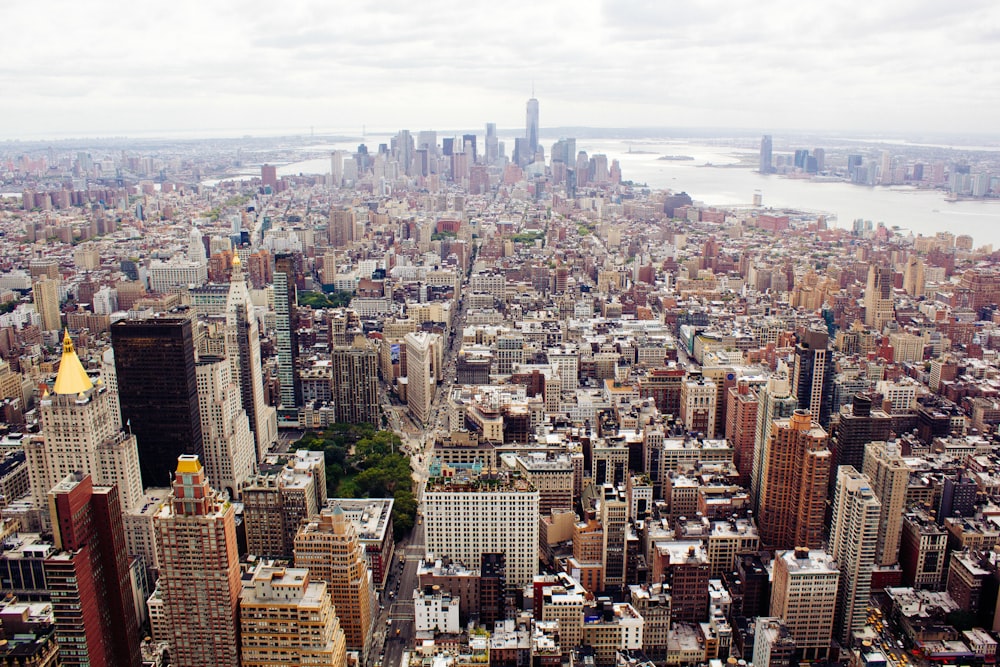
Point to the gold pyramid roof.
(71, 378)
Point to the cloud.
(844, 64)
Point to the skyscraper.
(889, 476)
(853, 543)
(775, 401)
(243, 353)
(741, 427)
(854, 427)
(230, 456)
(878, 297)
(804, 596)
(88, 578)
(492, 143)
(422, 364)
(355, 383)
(46, 296)
(765, 155)
(794, 482)
(328, 546)
(531, 127)
(812, 376)
(286, 332)
(81, 432)
(199, 571)
(158, 391)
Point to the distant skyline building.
(766, 160)
(531, 126)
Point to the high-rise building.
(268, 175)
(741, 427)
(773, 645)
(341, 228)
(355, 383)
(88, 577)
(794, 478)
(878, 297)
(613, 513)
(158, 391)
(328, 546)
(914, 279)
(766, 161)
(492, 143)
(276, 501)
(775, 401)
(853, 544)
(423, 351)
(698, 405)
(854, 427)
(531, 127)
(227, 443)
(467, 517)
(922, 550)
(812, 375)
(889, 476)
(46, 295)
(81, 432)
(804, 596)
(288, 618)
(243, 353)
(287, 335)
(199, 571)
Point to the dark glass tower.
(287, 336)
(812, 380)
(158, 392)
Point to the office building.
(531, 127)
(287, 336)
(199, 571)
(878, 297)
(467, 516)
(268, 175)
(355, 383)
(341, 228)
(372, 519)
(804, 597)
(46, 296)
(288, 618)
(853, 544)
(423, 351)
(88, 576)
(287, 490)
(698, 406)
(230, 458)
(794, 485)
(773, 644)
(812, 375)
(889, 476)
(158, 391)
(766, 161)
(328, 546)
(922, 550)
(243, 353)
(81, 432)
(853, 428)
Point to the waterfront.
(919, 211)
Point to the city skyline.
(644, 66)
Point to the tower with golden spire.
(81, 431)
(243, 353)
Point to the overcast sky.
(205, 67)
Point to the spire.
(71, 378)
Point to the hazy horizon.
(105, 69)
